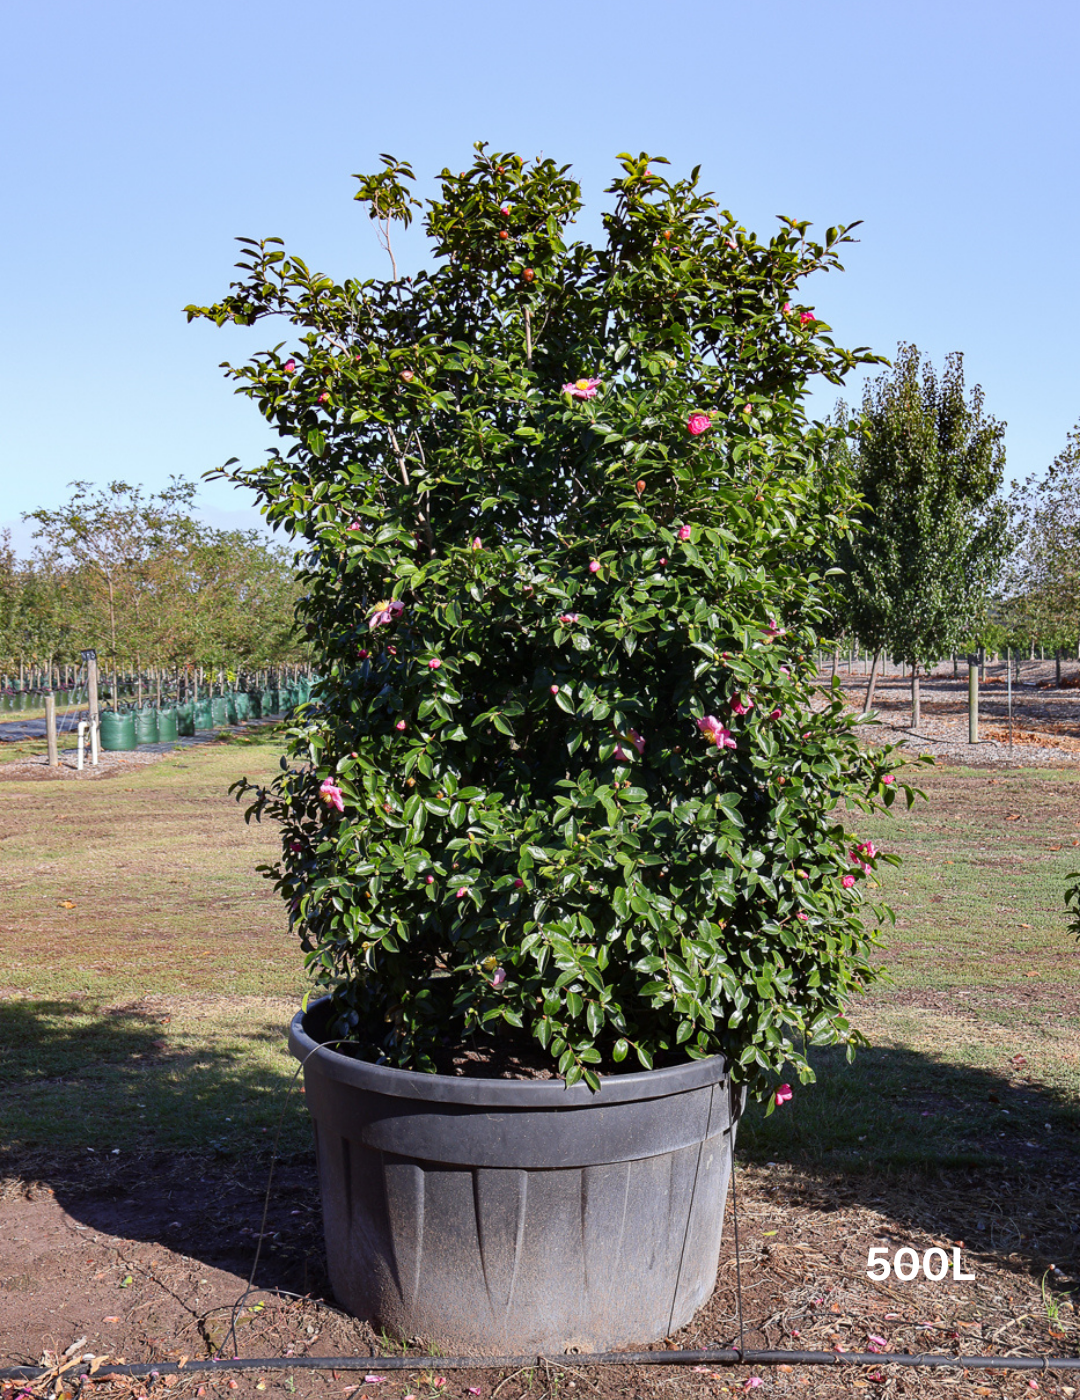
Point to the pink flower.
(620, 755)
(295, 846)
(324, 397)
(476, 542)
(384, 613)
(752, 1383)
(505, 212)
(775, 714)
(663, 563)
(363, 653)
(805, 316)
(739, 708)
(848, 881)
(401, 726)
(355, 525)
(434, 664)
(698, 423)
(787, 307)
(582, 388)
(289, 366)
(462, 892)
(554, 689)
(519, 884)
(331, 794)
(498, 977)
(715, 733)
(782, 1095)
(684, 532)
(888, 778)
(594, 566)
(802, 917)
(430, 880)
(568, 618)
(774, 629)
(637, 741)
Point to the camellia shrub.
(562, 521)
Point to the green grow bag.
(230, 708)
(271, 702)
(117, 731)
(254, 700)
(146, 726)
(219, 710)
(243, 706)
(204, 717)
(167, 726)
(185, 721)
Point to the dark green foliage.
(537, 837)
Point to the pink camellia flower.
(848, 881)
(554, 689)
(519, 884)
(331, 794)
(295, 846)
(401, 726)
(430, 880)
(620, 754)
(888, 778)
(698, 423)
(462, 892)
(802, 917)
(582, 388)
(637, 741)
(355, 525)
(594, 566)
(363, 653)
(774, 629)
(663, 563)
(787, 307)
(476, 542)
(805, 316)
(498, 977)
(289, 366)
(775, 714)
(324, 397)
(505, 211)
(685, 532)
(384, 613)
(783, 1095)
(434, 664)
(738, 707)
(568, 618)
(715, 733)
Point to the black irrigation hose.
(714, 1356)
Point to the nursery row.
(123, 730)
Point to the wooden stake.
(50, 730)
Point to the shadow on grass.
(951, 1149)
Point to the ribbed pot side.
(510, 1216)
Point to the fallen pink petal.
(752, 1382)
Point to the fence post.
(50, 730)
(1008, 672)
(973, 699)
(92, 696)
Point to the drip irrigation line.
(718, 1356)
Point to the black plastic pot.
(509, 1216)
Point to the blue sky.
(139, 140)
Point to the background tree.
(931, 536)
(1043, 587)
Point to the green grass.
(147, 976)
(975, 1055)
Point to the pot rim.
(495, 1093)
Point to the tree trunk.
(871, 684)
(835, 661)
(916, 713)
(1057, 667)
